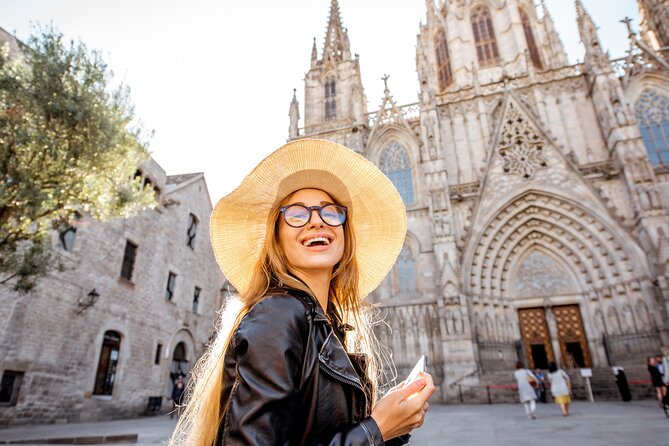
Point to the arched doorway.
(180, 365)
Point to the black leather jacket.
(289, 381)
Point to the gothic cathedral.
(537, 192)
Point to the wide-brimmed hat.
(239, 221)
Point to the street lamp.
(89, 300)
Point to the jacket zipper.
(339, 377)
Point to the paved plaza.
(598, 424)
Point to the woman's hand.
(403, 409)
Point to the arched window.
(484, 36)
(395, 164)
(529, 37)
(330, 99)
(652, 111)
(106, 373)
(443, 60)
(405, 272)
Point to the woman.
(560, 387)
(305, 237)
(656, 379)
(527, 395)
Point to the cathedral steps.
(500, 387)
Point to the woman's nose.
(315, 219)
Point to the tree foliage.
(67, 144)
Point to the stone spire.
(596, 61)
(336, 46)
(587, 29)
(558, 55)
(294, 115)
(430, 11)
(314, 54)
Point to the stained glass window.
(396, 165)
(484, 36)
(443, 60)
(405, 271)
(652, 112)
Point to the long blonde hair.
(199, 423)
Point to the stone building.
(536, 191)
(132, 310)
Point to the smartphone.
(419, 367)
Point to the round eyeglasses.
(298, 215)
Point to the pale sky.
(214, 78)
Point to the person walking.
(656, 379)
(526, 383)
(177, 394)
(560, 387)
(541, 388)
(310, 232)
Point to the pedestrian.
(665, 365)
(541, 388)
(560, 387)
(177, 394)
(526, 384)
(312, 230)
(656, 379)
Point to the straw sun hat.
(239, 220)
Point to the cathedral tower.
(334, 97)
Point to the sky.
(213, 79)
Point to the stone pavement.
(599, 424)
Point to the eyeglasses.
(298, 215)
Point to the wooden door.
(571, 336)
(536, 339)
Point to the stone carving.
(520, 145)
(539, 275)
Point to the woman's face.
(315, 248)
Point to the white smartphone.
(419, 367)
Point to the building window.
(652, 112)
(529, 37)
(395, 164)
(405, 272)
(159, 351)
(171, 282)
(196, 299)
(192, 231)
(66, 236)
(128, 260)
(106, 374)
(443, 60)
(9, 387)
(484, 36)
(330, 99)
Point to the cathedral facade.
(537, 191)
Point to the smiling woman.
(300, 363)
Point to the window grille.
(406, 272)
(330, 99)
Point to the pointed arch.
(652, 113)
(396, 164)
(539, 273)
(593, 252)
(484, 36)
(444, 73)
(404, 272)
(529, 38)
